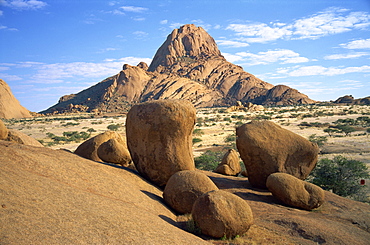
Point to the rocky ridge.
(187, 66)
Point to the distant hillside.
(188, 66)
(349, 99)
(9, 105)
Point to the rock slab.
(266, 148)
(184, 187)
(220, 213)
(295, 192)
(159, 138)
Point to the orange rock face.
(267, 148)
(159, 138)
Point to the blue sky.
(50, 48)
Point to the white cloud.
(163, 22)
(176, 25)
(7, 77)
(133, 9)
(117, 12)
(57, 72)
(7, 28)
(346, 56)
(284, 56)
(357, 44)
(329, 22)
(1, 12)
(233, 44)
(259, 33)
(23, 4)
(232, 58)
(201, 23)
(139, 19)
(352, 83)
(140, 34)
(299, 71)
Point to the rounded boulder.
(89, 148)
(267, 148)
(295, 192)
(230, 164)
(184, 187)
(159, 138)
(220, 213)
(114, 151)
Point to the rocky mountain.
(188, 66)
(349, 99)
(9, 105)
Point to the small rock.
(89, 148)
(114, 151)
(230, 164)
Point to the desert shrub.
(238, 123)
(70, 124)
(196, 140)
(319, 140)
(113, 127)
(208, 160)
(340, 175)
(98, 122)
(230, 138)
(331, 131)
(263, 117)
(91, 130)
(346, 129)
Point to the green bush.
(230, 138)
(319, 140)
(196, 140)
(198, 132)
(340, 175)
(113, 127)
(208, 160)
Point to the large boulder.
(159, 138)
(184, 187)
(21, 138)
(295, 192)
(114, 151)
(89, 148)
(266, 148)
(230, 164)
(3, 131)
(220, 213)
